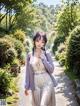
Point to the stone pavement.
(64, 90)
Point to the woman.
(39, 67)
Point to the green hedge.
(59, 39)
(19, 48)
(7, 53)
(61, 54)
(17, 45)
(19, 35)
(73, 51)
(5, 82)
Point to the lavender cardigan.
(29, 77)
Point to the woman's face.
(39, 43)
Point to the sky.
(49, 2)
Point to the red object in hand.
(26, 92)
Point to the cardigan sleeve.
(48, 62)
(27, 72)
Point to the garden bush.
(61, 53)
(61, 47)
(7, 53)
(10, 55)
(17, 45)
(73, 51)
(19, 48)
(15, 67)
(10, 39)
(62, 58)
(57, 41)
(20, 35)
(22, 58)
(5, 82)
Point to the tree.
(67, 20)
(11, 7)
(28, 22)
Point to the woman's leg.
(36, 95)
(48, 96)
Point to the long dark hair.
(38, 35)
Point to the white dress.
(44, 94)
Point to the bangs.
(39, 36)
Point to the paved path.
(64, 91)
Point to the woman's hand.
(26, 92)
(42, 56)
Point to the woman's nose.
(39, 43)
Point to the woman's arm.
(27, 72)
(48, 62)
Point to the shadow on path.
(64, 91)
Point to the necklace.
(38, 63)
